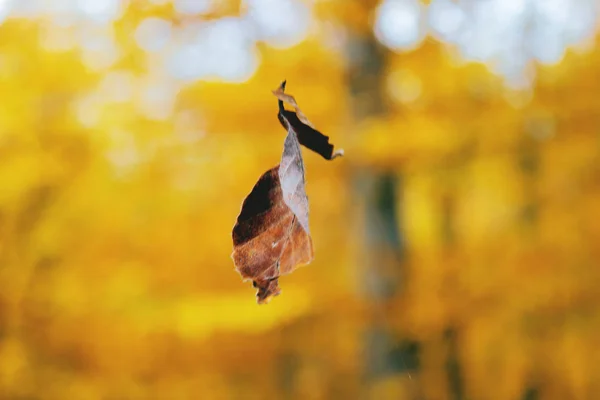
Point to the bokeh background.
(456, 243)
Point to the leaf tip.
(266, 290)
(280, 89)
(337, 153)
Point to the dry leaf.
(307, 135)
(271, 236)
(289, 99)
(269, 239)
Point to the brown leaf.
(307, 135)
(271, 236)
(268, 238)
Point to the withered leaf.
(307, 135)
(268, 238)
(271, 236)
(289, 99)
(291, 178)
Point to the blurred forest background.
(456, 243)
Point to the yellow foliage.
(120, 185)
